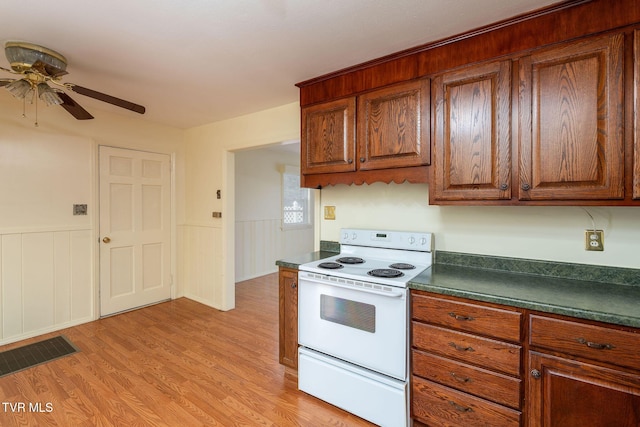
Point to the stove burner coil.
(330, 265)
(402, 266)
(350, 260)
(388, 273)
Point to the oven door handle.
(396, 294)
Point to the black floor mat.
(20, 358)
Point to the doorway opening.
(273, 219)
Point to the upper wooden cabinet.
(328, 137)
(542, 109)
(571, 121)
(392, 132)
(636, 140)
(393, 126)
(472, 133)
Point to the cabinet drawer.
(588, 341)
(489, 321)
(470, 379)
(485, 352)
(437, 405)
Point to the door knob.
(106, 239)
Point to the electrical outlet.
(594, 240)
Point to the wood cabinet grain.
(569, 393)
(393, 126)
(472, 133)
(328, 137)
(461, 374)
(571, 121)
(381, 135)
(288, 317)
(636, 117)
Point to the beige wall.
(208, 259)
(48, 257)
(546, 233)
(44, 170)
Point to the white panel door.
(135, 236)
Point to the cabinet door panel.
(472, 133)
(288, 300)
(328, 137)
(574, 394)
(571, 123)
(636, 140)
(393, 126)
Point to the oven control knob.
(354, 236)
(423, 241)
(412, 240)
(346, 236)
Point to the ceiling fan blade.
(73, 107)
(48, 69)
(106, 98)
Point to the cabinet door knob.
(294, 285)
(526, 187)
(362, 160)
(106, 239)
(535, 373)
(504, 187)
(350, 161)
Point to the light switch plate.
(330, 212)
(79, 209)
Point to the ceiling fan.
(38, 67)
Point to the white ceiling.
(192, 62)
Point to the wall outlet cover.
(594, 240)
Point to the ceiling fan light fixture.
(48, 95)
(22, 56)
(20, 88)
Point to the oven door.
(367, 327)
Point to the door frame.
(175, 292)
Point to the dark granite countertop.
(295, 261)
(605, 302)
(609, 294)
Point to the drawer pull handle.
(460, 348)
(536, 374)
(595, 345)
(459, 407)
(459, 317)
(463, 380)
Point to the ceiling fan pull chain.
(36, 123)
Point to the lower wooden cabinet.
(441, 406)
(582, 374)
(464, 373)
(568, 393)
(525, 369)
(288, 298)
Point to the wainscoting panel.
(201, 263)
(45, 281)
(260, 243)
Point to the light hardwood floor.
(178, 363)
